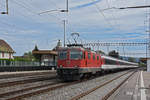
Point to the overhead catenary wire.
(114, 17)
(30, 10)
(101, 12)
(2, 5)
(33, 7)
(54, 3)
(22, 5)
(33, 12)
(10, 25)
(14, 27)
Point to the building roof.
(45, 52)
(4, 47)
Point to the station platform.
(136, 88)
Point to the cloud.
(85, 5)
(23, 27)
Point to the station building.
(6, 52)
(47, 57)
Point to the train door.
(85, 58)
(88, 59)
(68, 59)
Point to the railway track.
(41, 89)
(28, 80)
(49, 87)
(10, 93)
(77, 97)
(25, 81)
(23, 75)
(114, 89)
(37, 92)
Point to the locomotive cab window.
(62, 55)
(76, 54)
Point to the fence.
(26, 63)
(6, 65)
(18, 63)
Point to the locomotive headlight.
(60, 66)
(75, 66)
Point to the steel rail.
(31, 80)
(113, 91)
(25, 90)
(19, 97)
(97, 87)
(26, 95)
(45, 90)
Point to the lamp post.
(64, 21)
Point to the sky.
(24, 27)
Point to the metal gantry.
(115, 44)
(109, 44)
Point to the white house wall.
(6, 55)
(11, 56)
(47, 58)
(0, 55)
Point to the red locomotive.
(75, 61)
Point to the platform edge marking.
(143, 95)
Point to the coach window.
(62, 55)
(75, 54)
(114, 62)
(89, 55)
(110, 62)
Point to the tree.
(113, 53)
(131, 59)
(28, 56)
(35, 48)
(37, 57)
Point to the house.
(6, 52)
